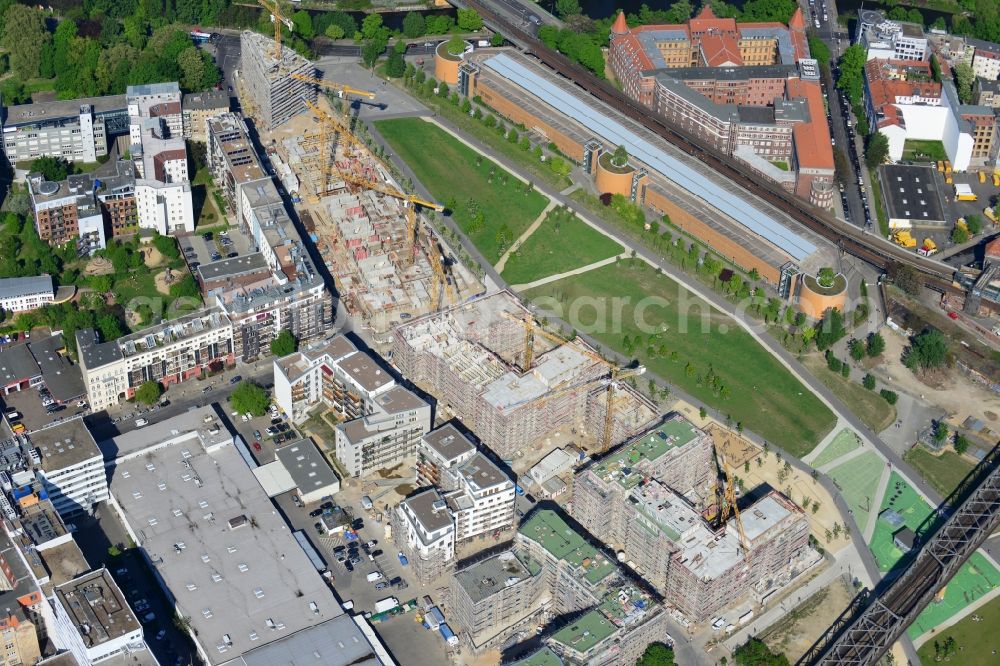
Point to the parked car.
(149, 618)
(315, 512)
(256, 446)
(256, 434)
(381, 586)
(231, 255)
(377, 552)
(141, 422)
(371, 544)
(161, 634)
(236, 380)
(207, 235)
(319, 528)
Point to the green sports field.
(858, 482)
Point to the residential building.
(492, 599)
(231, 155)
(70, 466)
(21, 619)
(309, 470)
(26, 293)
(249, 592)
(166, 208)
(384, 436)
(94, 620)
(154, 100)
(77, 130)
(441, 452)
(424, 530)
(272, 93)
(198, 108)
(39, 363)
(168, 353)
(116, 195)
(890, 40)
(67, 211)
(482, 498)
(612, 618)
(902, 101)
(987, 93)
(985, 59)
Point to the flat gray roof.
(336, 642)
(448, 441)
(248, 263)
(92, 352)
(95, 601)
(364, 370)
(482, 473)
(193, 425)
(42, 111)
(487, 577)
(399, 399)
(422, 505)
(17, 364)
(61, 377)
(739, 209)
(307, 466)
(911, 193)
(206, 99)
(63, 444)
(220, 546)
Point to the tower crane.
(616, 373)
(339, 88)
(277, 18)
(730, 504)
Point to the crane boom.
(339, 88)
(277, 18)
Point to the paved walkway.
(516, 245)
(883, 483)
(559, 276)
(825, 442)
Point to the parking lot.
(199, 251)
(33, 414)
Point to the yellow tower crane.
(277, 18)
(616, 373)
(341, 89)
(730, 504)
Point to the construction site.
(491, 364)
(698, 539)
(387, 262)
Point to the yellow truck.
(988, 212)
(996, 180)
(940, 166)
(903, 238)
(982, 176)
(947, 167)
(962, 224)
(947, 179)
(963, 192)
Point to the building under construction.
(647, 500)
(269, 88)
(472, 358)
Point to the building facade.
(71, 467)
(423, 529)
(385, 436)
(75, 130)
(94, 620)
(273, 94)
(890, 40)
(198, 108)
(26, 294)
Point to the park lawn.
(762, 394)
(843, 443)
(448, 169)
(858, 480)
(924, 151)
(904, 500)
(974, 579)
(867, 405)
(562, 242)
(944, 472)
(978, 638)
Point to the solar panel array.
(670, 167)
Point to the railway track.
(848, 238)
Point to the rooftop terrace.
(548, 528)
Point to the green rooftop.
(586, 631)
(649, 446)
(549, 529)
(544, 657)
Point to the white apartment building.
(93, 621)
(891, 40)
(985, 59)
(424, 529)
(166, 207)
(199, 108)
(170, 353)
(71, 467)
(155, 100)
(75, 130)
(26, 293)
(386, 435)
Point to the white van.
(141, 422)
(374, 576)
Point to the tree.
(414, 25)
(964, 80)
(395, 66)
(905, 277)
(186, 287)
(852, 64)
(875, 344)
(192, 69)
(830, 329)
(826, 277)
(857, 349)
(620, 157)
(890, 396)
(371, 26)
(371, 50)
(868, 381)
(877, 150)
(927, 350)
(496, 39)
(109, 326)
(756, 653)
(961, 444)
(100, 283)
(334, 32)
(959, 235)
(25, 38)
(167, 246)
(250, 397)
(149, 392)
(680, 12)
(52, 168)
(469, 20)
(303, 24)
(284, 344)
(566, 8)
(455, 45)
(656, 654)
(940, 432)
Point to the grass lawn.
(844, 442)
(690, 343)
(904, 500)
(453, 174)
(869, 406)
(858, 481)
(883, 217)
(976, 637)
(976, 578)
(562, 242)
(944, 472)
(924, 151)
(781, 165)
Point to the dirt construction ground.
(798, 630)
(740, 451)
(958, 395)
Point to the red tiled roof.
(885, 89)
(707, 21)
(813, 149)
(720, 50)
(993, 248)
(620, 26)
